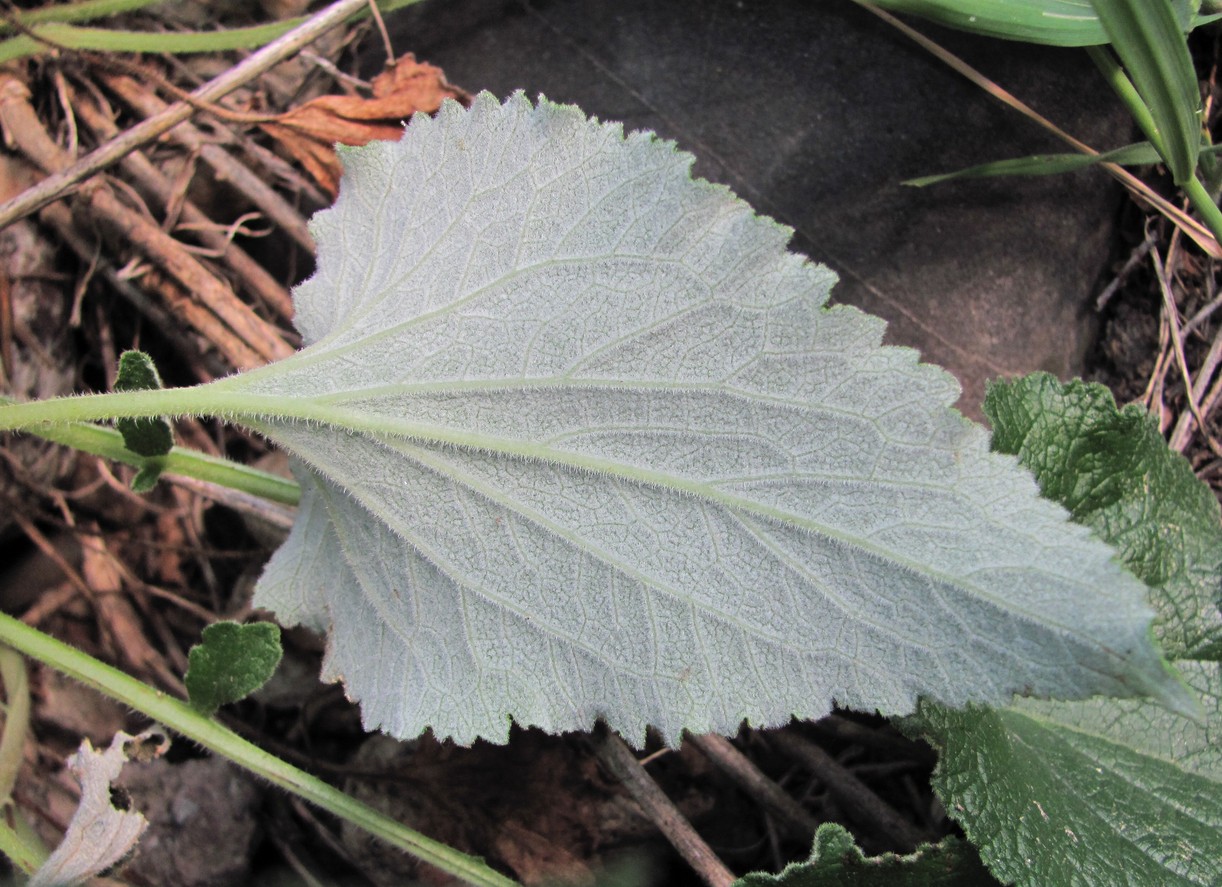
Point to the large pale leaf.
(579, 438)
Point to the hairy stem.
(108, 443)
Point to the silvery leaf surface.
(579, 438)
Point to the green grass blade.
(1045, 165)
(1149, 41)
(1051, 22)
(85, 10)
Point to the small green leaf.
(231, 662)
(1149, 40)
(837, 861)
(145, 437)
(148, 475)
(1111, 469)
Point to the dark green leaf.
(1149, 40)
(837, 861)
(148, 475)
(1103, 792)
(1111, 469)
(145, 437)
(231, 662)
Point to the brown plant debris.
(310, 131)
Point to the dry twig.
(859, 799)
(798, 821)
(619, 759)
(252, 341)
(262, 195)
(253, 275)
(55, 186)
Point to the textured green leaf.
(144, 437)
(1104, 792)
(578, 438)
(837, 861)
(148, 475)
(231, 662)
(1115, 474)
(1054, 22)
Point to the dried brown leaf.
(310, 131)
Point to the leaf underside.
(578, 438)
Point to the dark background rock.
(815, 111)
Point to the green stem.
(16, 718)
(1196, 192)
(205, 731)
(83, 11)
(57, 31)
(108, 443)
(1202, 201)
(18, 840)
(1115, 76)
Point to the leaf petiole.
(108, 443)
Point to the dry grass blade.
(56, 185)
(1191, 390)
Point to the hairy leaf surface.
(1115, 474)
(1101, 792)
(578, 438)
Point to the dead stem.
(798, 821)
(618, 758)
(860, 802)
(55, 186)
(252, 275)
(227, 169)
